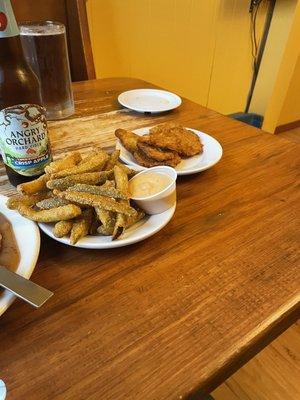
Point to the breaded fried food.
(90, 164)
(175, 137)
(121, 180)
(112, 160)
(62, 228)
(91, 178)
(105, 190)
(28, 200)
(32, 187)
(67, 162)
(81, 195)
(62, 213)
(134, 219)
(128, 139)
(52, 202)
(81, 226)
(105, 231)
(109, 184)
(148, 162)
(95, 200)
(122, 184)
(130, 172)
(107, 219)
(154, 152)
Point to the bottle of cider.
(24, 141)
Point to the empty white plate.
(212, 153)
(28, 239)
(149, 100)
(2, 390)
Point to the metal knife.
(23, 288)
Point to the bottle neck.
(8, 23)
(10, 41)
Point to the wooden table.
(174, 315)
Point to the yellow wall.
(283, 102)
(197, 48)
(274, 50)
(290, 111)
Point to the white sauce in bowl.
(149, 184)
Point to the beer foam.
(42, 29)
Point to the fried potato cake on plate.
(158, 154)
(148, 162)
(177, 138)
(128, 139)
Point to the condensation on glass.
(45, 49)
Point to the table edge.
(274, 326)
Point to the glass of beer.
(45, 48)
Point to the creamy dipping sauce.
(148, 184)
(9, 251)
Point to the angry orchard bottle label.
(24, 139)
(8, 25)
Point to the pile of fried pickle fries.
(81, 195)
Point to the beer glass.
(45, 48)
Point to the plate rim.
(176, 97)
(8, 298)
(196, 170)
(48, 230)
(3, 390)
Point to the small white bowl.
(163, 200)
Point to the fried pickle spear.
(81, 226)
(61, 213)
(128, 139)
(52, 202)
(67, 162)
(112, 160)
(105, 231)
(32, 187)
(134, 219)
(90, 178)
(125, 168)
(102, 190)
(122, 184)
(109, 183)
(28, 200)
(96, 200)
(89, 164)
(107, 219)
(62, 228)
(121, 180)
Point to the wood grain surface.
(175, 315)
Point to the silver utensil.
(23, 288)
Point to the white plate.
(28, 239)
(145, 228)
(2, 390)
(149, 100)
(212, 153)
